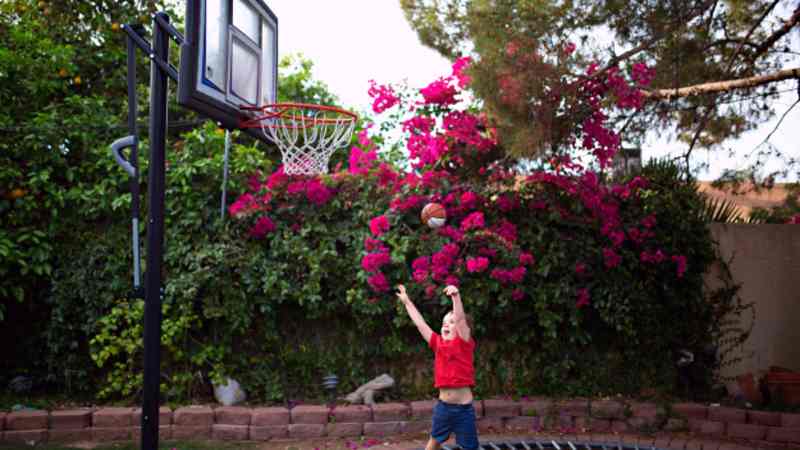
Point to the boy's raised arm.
(414, 314)
(458, 312)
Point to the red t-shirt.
(453, 364)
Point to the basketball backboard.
(229, 59)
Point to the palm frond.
(720, 210)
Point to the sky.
(353, 41)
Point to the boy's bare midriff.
(457, 396)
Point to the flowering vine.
(486, 244)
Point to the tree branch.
(779, 33)
(616, 60)
(724, 42)
(722, 86)
(613, 62)
(766, 139)
(731, 62)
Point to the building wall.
(747, 197)
(765, 260)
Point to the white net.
(307, 135)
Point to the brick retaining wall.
(534, 417)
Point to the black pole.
(155, 236)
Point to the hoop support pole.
(154, 293)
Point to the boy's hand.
(401, 294)
(451, 291)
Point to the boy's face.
(448, 327)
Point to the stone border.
(606, 420)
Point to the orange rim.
(275, 110)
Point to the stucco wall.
(765, 260)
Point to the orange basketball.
(434, 215)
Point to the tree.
(297, 83)
(716, 65)
(63, 100)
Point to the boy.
(454, 372)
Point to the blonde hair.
(467, 318)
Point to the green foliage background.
(277, 315)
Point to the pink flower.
(372, 262)
(459, 69)
(421, 263)
(500, 275)
(254, 182)
(419, 124)
(655, 257)
(517, 295)
(465, 127)
(378, 282)
(642, 74)
(420, 276)
(617, 238)
(580, 269)
(411, 180)
(372, 245)
(611, 258)
(430, 291)
(363, 139)
(441, 260)
(386, 175)
(517, 274)
(451, 250)
(526, 259)
(379, 225)
(440, 273)
(361, 162)
(317, 193)
(277, 179)
(649, 221)
(638, 183)
(507, 231)
(405, 204)
(439, 92)
(473, 221)
(469, 200)
(635, 235)
(506, 203)
(478, 264)
(426, 149)
(452, 279)
(452, 233)
(246, 203)
(569, 47)
(295, 187)
(433, 179)
(583, 298)
(384, 97)
(263, 226)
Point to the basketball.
(434, 215)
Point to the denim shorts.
(449, 418)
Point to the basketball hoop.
(306, 134)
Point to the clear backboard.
(229, 59)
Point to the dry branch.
(722, 86)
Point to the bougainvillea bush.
(577, 283)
